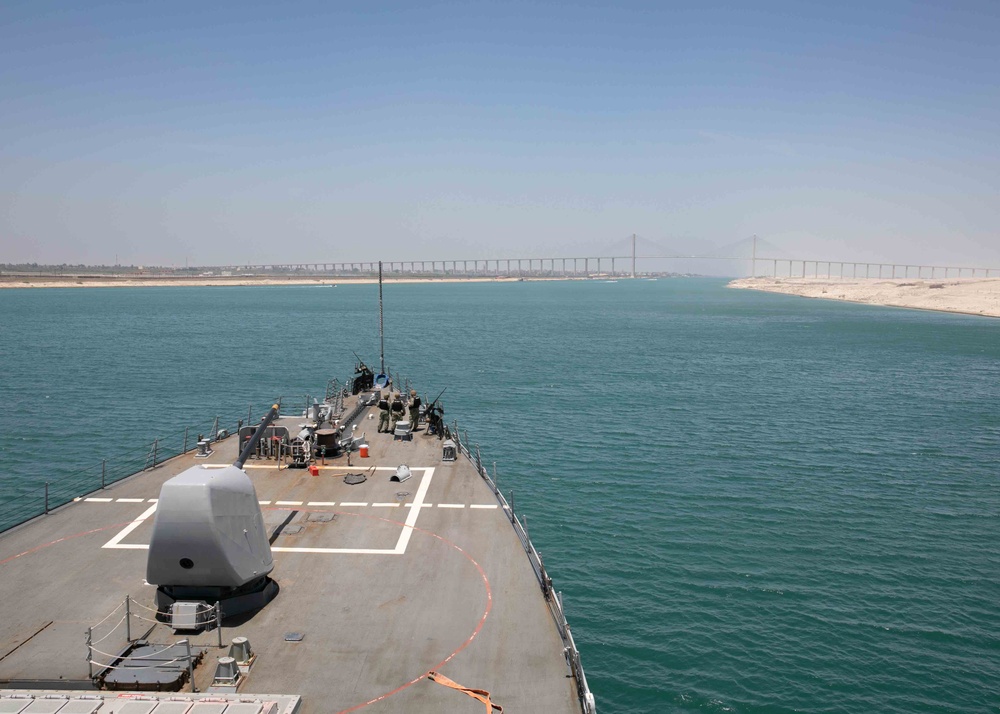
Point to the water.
(751, 502)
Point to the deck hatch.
(208, 708)
(81, 706)
(172, 707)
(9, 705)
(139, 707)
(46, 705)
(245, 708)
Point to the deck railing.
(42, 497)
(110, 642)
(553, 598)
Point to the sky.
(246, 133)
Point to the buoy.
(363, 451)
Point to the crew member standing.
(383, 414)
(414, 409)
(398, 411)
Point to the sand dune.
(974, 296)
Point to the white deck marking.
(357, 467)
(264, 503)
(404, 537)
(346, 551)
(98, 500)
(411, 517)
(284, 466)
(130, 500)
(483, 505)
(116, 541)
(288, 503)
(353, 504)
(401, 544)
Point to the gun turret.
(433, 405)
(209, 542)
(433, 415)
(364, 377)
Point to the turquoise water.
(751, 502)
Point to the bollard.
(128, 618)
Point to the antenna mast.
(381, 334)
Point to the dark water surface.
(751, 502)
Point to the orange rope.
(479, 694)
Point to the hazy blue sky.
(241, 132)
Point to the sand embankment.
(974, 296)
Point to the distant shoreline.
(970, 296)
(132, 281)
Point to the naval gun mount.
(209, 545)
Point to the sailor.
(383, 414)
(414, 409)
(398, 411)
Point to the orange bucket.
(363, 451)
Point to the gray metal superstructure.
(380, 583)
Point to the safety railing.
(26, 500)
(553, 598)
(117, 635)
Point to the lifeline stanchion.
(90, 652)
(187, 644)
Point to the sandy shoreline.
(106, 281)
(973, 296)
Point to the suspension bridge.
(745, 257)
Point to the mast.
(633, 255)
(381, 334)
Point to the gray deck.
(380, 603)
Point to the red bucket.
(363, 451)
